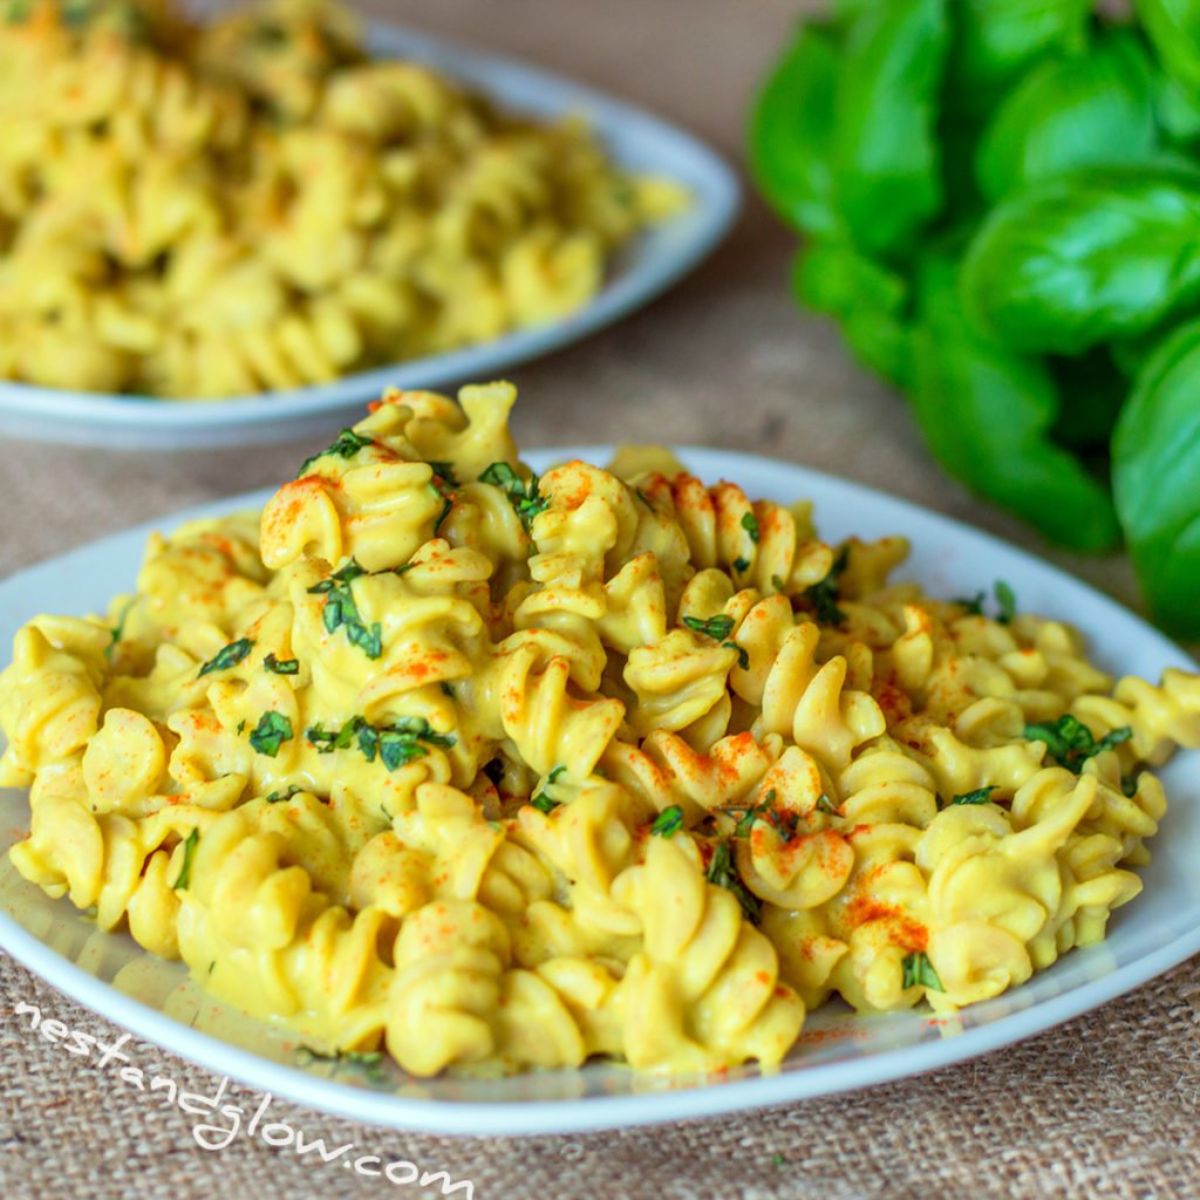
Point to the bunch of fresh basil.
(1002, 207)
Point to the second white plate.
(837, 1051)
(635, 139)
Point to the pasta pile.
(200, 211)
(501, 772)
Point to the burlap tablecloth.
(1106, 1105)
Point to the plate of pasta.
(225, 228)
(463, 791)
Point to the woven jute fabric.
(1104, 1106)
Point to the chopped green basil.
(346, 574)
(746, 822)
(281, 666)
(824, 596)
(400, 741)
(347, 445)
(718, 628)
(227, 656)
(979, 796)
(118, 630)
(272, 730)
(750, 813)
(1006, 603)
(974, 606)
(743, 656)
(1006, 599)
(444, 486)
(341, 612)
(395, 744)
(184, 879)
(750, 525)
(1071, 743)
(668, 822)
(525, 498)
(541, 801)
(919, 972)
(326, 741)
(722, 870)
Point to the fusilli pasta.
(193, 211)
(497, 772)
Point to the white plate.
(838, 1051)
(653, 261)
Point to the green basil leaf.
(118, 630)
(986, 414)
(723, 871)
(1177, 106)
(885, 109)
(958, 135)
(846, 12)
(997, 40)
(1077, 261)
(1071, 743)
(790, 142)
(272, 730)
(1006, 601)
(1094, 109)
(824, 596)
(341, 611)
(717, 628)
(1091, 391)
(523, 495)
(1174, 28)
(979, 796)
(347, 445)
(668, 822)
(184, 879)
(919, 972)
(1156, 479)
(227, 657)
(869, 301)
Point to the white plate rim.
(589, 1114)
(145, 422)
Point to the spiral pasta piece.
(706, 984)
